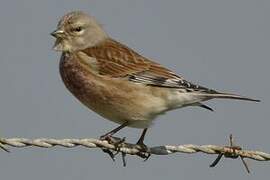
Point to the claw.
(110, 153)
(124, 159)
(147, 157)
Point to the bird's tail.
(229, 96)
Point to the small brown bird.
(118, 83)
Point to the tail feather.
(230, 96)
(205, 106)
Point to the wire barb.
(120, 146)
(231, 154)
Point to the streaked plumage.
(118, 83)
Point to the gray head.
(76, 31)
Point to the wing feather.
(118, 61)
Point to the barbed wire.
(116, 145)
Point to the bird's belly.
(115, 99)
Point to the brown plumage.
(117, 60)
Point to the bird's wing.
(118, 61)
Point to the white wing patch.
(176, 83)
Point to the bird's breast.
(113, 98)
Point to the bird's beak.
(57, 33)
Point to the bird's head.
(77, 31)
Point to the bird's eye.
(78, 29)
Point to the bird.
(118, 83)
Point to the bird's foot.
(142, 146)
(116, 141)
(144, 151)
(106, 137)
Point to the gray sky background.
(220, 44)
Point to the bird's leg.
(140, 141)
(143, 146)
(108, 136)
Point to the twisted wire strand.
(134, 149)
